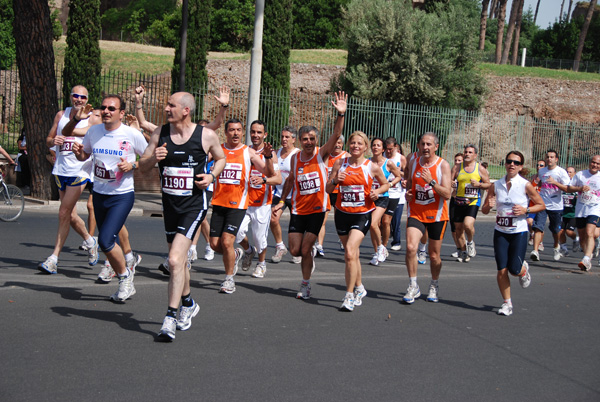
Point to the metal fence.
(494, 134)
(585, 66)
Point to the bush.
(7, 41)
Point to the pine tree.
(83, 65)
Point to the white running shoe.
(359, 296)
(433, 294)
(564, 250)
(395, 247)
(93, 253)
(247, 258)
(279, 253)
(304, 292)
(541, 247)
(412, 293)
(530, 241)
(228, 286)
(381, 253)
(422, 257)
(164, 267)
(106, 273)
(374, 260)
(239, 253)
(463, 257)
(209, 253)
(297, 260)
(167, 331)
(132, 264)
(525, 280)
(192, 254)
(48, 266)
(535, 256)
(455, 254)
(348, 303)
(260, 270)
(184, 318)
(505, 309)
(471, 249)
(557, 254)
(126, 288)
(585, 264)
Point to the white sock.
(193, 247)
(280, 245)
(53, 258)
(422, 247)
(508, 301)
(89, 241)
(129, 256)
(413, 281)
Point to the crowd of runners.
(249, 187)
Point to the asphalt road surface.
(64, 340)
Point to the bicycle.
(12, 201)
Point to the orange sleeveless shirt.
(231, 187)
(427, 205)
(355, 190)
(309, 196)
(259, 195)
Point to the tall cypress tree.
(83, 65)
(198, 42)
(275, 75)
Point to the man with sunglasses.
(114, 147)
(552, 181)
(71, 176)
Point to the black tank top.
(179, 169)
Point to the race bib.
(309, 183)
(375, 185)
(352, 196)
(255, 173)
(506, 221)
(424, 195)
(178, 181)
(67, 146)
(567, 200)
(232, 174)
(102, 173)
(471, 192)
(590, 198)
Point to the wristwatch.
(134, 166)
(432, 183)
(264, 180)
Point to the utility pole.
(255, 67)
(183, 48)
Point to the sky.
(548, 13)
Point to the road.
(64, 340)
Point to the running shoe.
(525, 280)
(464, 257)
(164, 267)
(433, 294)
(358, 296)
(564, 250)
(530, 241)
(304, 292)
(348, 303)
(585, 264)
(93, 253)
(184, 318)
(535, 256)
(167, 331)
(381, 253)
(422, 257)
(297, 260)
(239, 253)
(412, 293)
(106, 273)
(455, 254)
(247, 258)
(84, 246)
(133, 263)
(260, 270)
(228, 286)
(374, 260)
(126, 288)
(48, 266)
(557, 254)
(541, 247)
(506, 309)
(280, 251)
(471, 249)
(320, 252)
(395, 247)
(192, 254)
(576, 246)
(341, 245)
(209, 253)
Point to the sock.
(413, 281)
(90, 242)
(422, 247)
(207, 247)
(248, 250)
(470, 242)
(172, 312)
(508, 301)
(585, 257)
(434, 282)
(359, 288)
(193, 247)
(319, 247)
(53, 258)
(280, 245)
(350, 295)
(263, 263)
(306, 281)
(125, 275)
(228, 277)
(187, 300)
(129, 256)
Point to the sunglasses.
(110, 108)
(79, 96)
(541, 165)
(513, 162)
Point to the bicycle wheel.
(12, 202)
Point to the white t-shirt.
(284, 168)
(67, 163)
(506, 221)
(397, 191)
(107, 148)
(588, 203)
(551, 194)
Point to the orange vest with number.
(355, 190)
(231, 187)
(426, 204)
(309, 196)
(259, 195)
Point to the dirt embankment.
(536, 97)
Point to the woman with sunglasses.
(355, 203)
(511, 196)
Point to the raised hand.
(223, 97)
(340, 103)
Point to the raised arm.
(139, 110)
(153, 152)
(340, 104)
(265, 167)
(223, 99)
(81, 114)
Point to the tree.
(83, 65)
(514, 11)
(584, 31)
(569, 10)
(35, 59)
(399, 54)
(515, 48)
(483, 23)
(537, 8)
(316, 23)
(233, 25)
(501, 17)
(7, 41)
(275, 75)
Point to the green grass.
(518, 71)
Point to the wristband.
(227, 105)
(214, 178)
(282, 202)
(139, 107)
(341, 114)
(268, 157)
